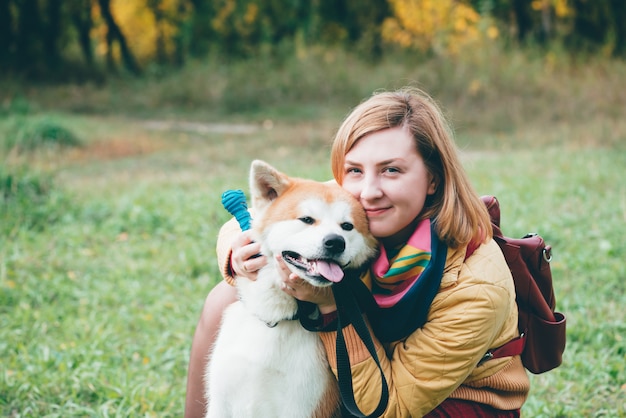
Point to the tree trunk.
(161, 53)
(6, 34)
(51, 34)
(618, 9)
(546, 22)
(179, 39)
(522, 18)
(28, 39)
(591, 23)
(115, 34)
(81, 18)
(202, 33)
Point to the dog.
(264, 363)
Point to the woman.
(395, 154)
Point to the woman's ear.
(432, 186)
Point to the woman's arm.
(221, 296)
(234, 251)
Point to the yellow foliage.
(220, 23)
(251, 14)
(236, 17)
(245, 24)
(492, 32)
(445, 26)
(560, 7)
(137, 20)
(537, 5)
(137, 23)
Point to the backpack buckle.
(547, 253)
(488, 356)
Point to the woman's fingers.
(246, 259)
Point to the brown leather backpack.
(542, 329)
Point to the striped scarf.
(405, 283)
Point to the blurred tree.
(37, 37)
(114, 34)
(165, 31)
(51, 32)
(80, 15)
(157, 9)
(6, 35)
(618, 11)
(28, 47)
(240, 27)
(522, 12)
(182, 20)
(201, 27)
(591, 20)
(280, 19)
(441, 27)
(349, 21)
(599, 24)
(529, 20)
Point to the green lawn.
(104, 271)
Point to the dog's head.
(318, 228)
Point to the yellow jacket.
(474, 311)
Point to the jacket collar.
(454, 262)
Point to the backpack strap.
(471, 247)
(515, 347)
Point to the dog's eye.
(307, 220)
(347, 226)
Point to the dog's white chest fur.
(262, 371)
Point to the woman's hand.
(246, 258)
(302, 290)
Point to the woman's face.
(387, 175)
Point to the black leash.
(347, 294)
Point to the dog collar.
(273, 324)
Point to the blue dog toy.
(234, 201)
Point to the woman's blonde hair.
(459, 214)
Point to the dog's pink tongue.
(330, 271)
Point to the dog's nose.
(335, 244)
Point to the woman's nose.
(371, 188)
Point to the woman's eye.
(307, 220)
(392, 170)
(347, 226)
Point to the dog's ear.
(266, 184)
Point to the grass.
(45, 133)
(107, 249)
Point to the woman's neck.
(400, 238)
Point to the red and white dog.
(264, 363)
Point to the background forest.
(123, 121)
(51, 39)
